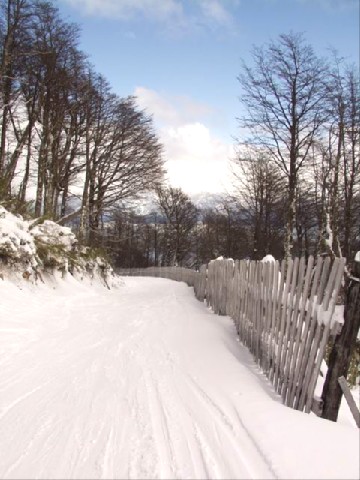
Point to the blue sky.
(181, 58)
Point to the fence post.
(350, 400)
(339, 360)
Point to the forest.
(73, 151)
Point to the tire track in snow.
(219, 453)
(118, 403)
(240, 439)
(20, 399)
(159, 421)
(208, 454)
(170, 407)
(143, 460)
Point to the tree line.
(72, 150)
(296, 174)
(67, 141)
(302, 113)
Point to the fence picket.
(289, 313)
(283, 307)
(298, 340)
(292, 327)
(273, 320)
(332, 290)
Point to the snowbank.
(16, 242)
(32, 250)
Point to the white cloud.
(174, 13)
(172, 110)
(333, 5)
(158, 9)
(196, 160)
(215, 11)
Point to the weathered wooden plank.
(323, 280)
(246, 310)
(278, 314)
(263, 314)
(243, 302)
(257, 313)
(301, 324)
(253, 315)
(266, 315)
(288, 319)
(307, 335)
(320, 339)
(280, 342)
(350, 400)
(330, 297)
(292, 327)
(273, 323)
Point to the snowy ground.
(145, 382)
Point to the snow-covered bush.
(54, 244)
(16, 242)
(31, 247)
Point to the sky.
(181, 58)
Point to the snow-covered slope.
(145, 382)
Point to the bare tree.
(181, 216)
(15, 45)
(284, 94)
(123, 155)
(55, 42)
(261, 186)
(336, 165)
(129, 238)
(344, 157)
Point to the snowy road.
(139, 382)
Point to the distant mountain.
(147, 202)
(204, 200)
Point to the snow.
(15, 238)
(345, 415)
(50, 233)
(30, 249)
(144, 381)
(329, 240)
(19, 238)
(268, 258)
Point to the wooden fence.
(180, 274)
(282, 313)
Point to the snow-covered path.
(144, 382)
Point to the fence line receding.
(282, 312)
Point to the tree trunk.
(6, 74)
(64, 198)
(340, 356)
(9, 170)
(334, 200)
(290, 217)
(43, 158)
(24, 183)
